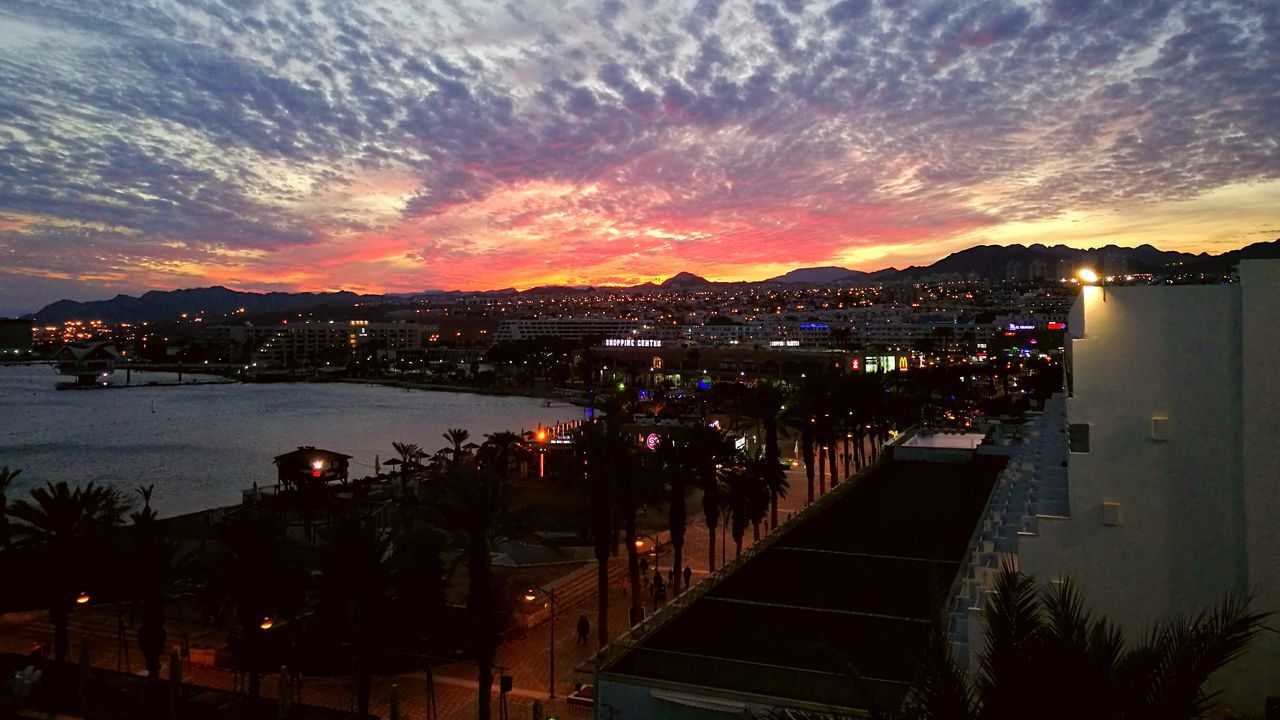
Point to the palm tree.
(480, 515)
(766, 403)
(769, 482)
(158, 565)
(354, 596)
(800, 416)
(596, 445)
(498, 447)
(741, 487)
(636, 485)
(7, 477)
(68, 526)
(456, 437)
(408, 452)
(1045, 644)
(708, 448)
(255, 578)
(672, 458)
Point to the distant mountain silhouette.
(985, 262)
(997, 262)
(160, 305)
(819, 276)
(686, 280)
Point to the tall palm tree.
(741, 487)
(595, 446)
(801, 416)
(456, 437)
(766, 403)
(354, 598)
(768, 482)
(637, 484)
(672, 458)
(256, 577)
(158, 566)
(68, 526)
(708, 448)
(7, 477)
(1045, 644)
(480, 514)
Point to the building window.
(1078, 437)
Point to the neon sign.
(631, 342)
(652, 441)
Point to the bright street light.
(1087, 275)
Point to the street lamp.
(1089, 277)
(531, 595)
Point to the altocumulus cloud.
(383, 144)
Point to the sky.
(393, 146)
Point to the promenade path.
(526, 658)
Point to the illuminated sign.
(871, 365)
(888, 363)
(784, 343)
(855, 364)
(1056, 326)
(652, 441)
(1015, 327)
(704, 383)
(631, 342)
(813, 326)
(902, 363)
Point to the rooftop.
(849, 590)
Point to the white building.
(1174, 465)
(566, 328)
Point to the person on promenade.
(584, 629)
(688, 575)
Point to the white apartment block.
(566, 328)
(1171, 493)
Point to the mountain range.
(985, 262)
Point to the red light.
(1009, 334)
(1056, 326)
(315, 473)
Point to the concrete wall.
(1199, 510)
(1260, 308)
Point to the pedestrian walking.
(688, 575)
(584, 629)
(644, 565)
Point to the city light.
(1087, 275)
(82, 598)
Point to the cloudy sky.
(398, 146)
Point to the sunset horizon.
(383, 149)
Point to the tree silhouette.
(457, 437)
(68, 526)
(479, 513)
(7, 477)
(1047, 645)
